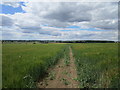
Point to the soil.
(61, 76)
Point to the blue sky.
(48, 21)
(11, 10)
(7, 9)
(79, 28)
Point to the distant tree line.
(56, 41)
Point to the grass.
(66, 56)
(23, 64)
(97, 64)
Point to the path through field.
(61, 76)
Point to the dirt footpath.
(61, 76)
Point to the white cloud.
(63, 14)
(13, 4)
(46, 20)
(6, 20)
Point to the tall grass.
(24, 64)
(97, 64)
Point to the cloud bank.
(46, 20)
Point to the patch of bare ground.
(61, 76)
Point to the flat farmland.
(60, 65)
(97, 64)
(22, 64)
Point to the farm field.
(63, 75)
(97, 64)
(22, 64)
(83, 65)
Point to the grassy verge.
(24, 64)
(97, 64)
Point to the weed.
(65, 81)
(65, 72)
(76, 79)
(52, 76)
(66, 57)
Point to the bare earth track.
(61, 76)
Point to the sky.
(59, 20)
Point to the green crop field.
(23, 64)
(97, 64)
